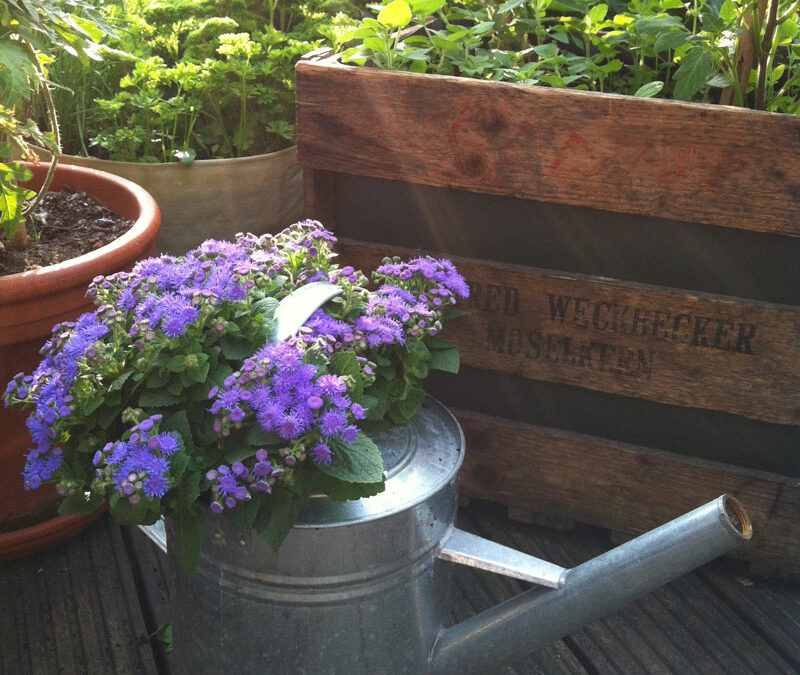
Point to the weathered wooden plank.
(666, 345)
(707, 164)
(74, 610)
(771, 606)
(623, 487)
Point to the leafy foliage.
(206, 79)
(667, 48)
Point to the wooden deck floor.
(92, 606)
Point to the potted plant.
(31, 300)
(201, 112)
(173, 397)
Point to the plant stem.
(22, 233)
(764, 52)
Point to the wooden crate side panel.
(665, 345)
(708, 164)
(622, 487)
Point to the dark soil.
(70, 224)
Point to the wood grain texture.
(665, 345)
(707, 164)
(623, 487)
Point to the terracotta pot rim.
(33, 284)
(46, 534)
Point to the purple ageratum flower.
(332, 422)
(167, 442)
(155, 485)
(226, 484)
(322, 454)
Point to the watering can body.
(356, 587)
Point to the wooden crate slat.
(665, 345)
(622, 487)
(708, 164)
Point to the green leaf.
(257, 437)
(397, 14)
(116, 385)
(344, 363)
(191, 527)
(16, 72)
(146, 512)
(547, 51)
(244, 514)
(276, 519)
(358, 462)
(728, 12)
(376, 44)
(177, 364)
(694, 72)
(164, 635)
(158, 399)
(596, 14)
(509, 5)
(650, 89)
(657, 25)
(80, 504)
(157, 379)
(409, 405)
(445, 358)
(92, 404)
(339, 491)
(236, 348)
(672, 39)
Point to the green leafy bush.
(669, 48)
(205, 79)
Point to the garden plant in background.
(742, 52)
(203, 80)
(31, 33)
(173, 398)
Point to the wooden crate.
(633, 347)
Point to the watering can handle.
(474, 551)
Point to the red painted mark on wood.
(574, 140)
(458, 122)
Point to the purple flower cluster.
(163, 330)
(139, 466)
(70, 345)
(289, 397)
(236, 483)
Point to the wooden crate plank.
(667, 345)
(708, 164)
(623, 487)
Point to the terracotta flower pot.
(30, 304)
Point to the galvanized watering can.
(362, 588)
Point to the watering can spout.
(530, 621)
